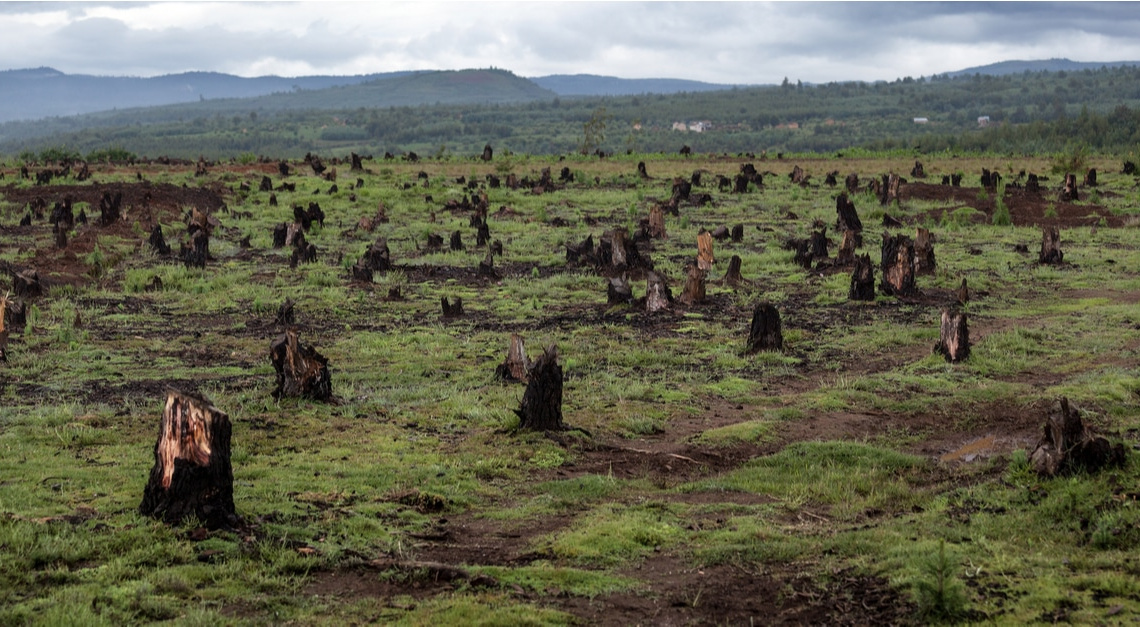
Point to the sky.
(745, 43)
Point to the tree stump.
(378, 257)
(818, 243)
(362, 271)
(764, 334)
(898, 266)
(798, 176)
(286, 314)
(266, 184)
(27, 284)
(456, 241)
(732, 275)
(852, 183)
(488, 153)
(953, 337)
(483, 235)
(803, 255)
(1090, 178)
(657, 223)
(301, 370)
(705, 259)
(451, 309)
(3, 328)
(846, 218)
(740, 184)
(641, 170)
(192, 475)
(516, 367)
(862, 279)
(110, 208)
(486, 267)
(158, 242)
(1068, 445)
(541, 406)
(581, 253)
(280, 234)
(618, 291)
(657, 293)
(694, 292)
(1069, 191)
(846, 255)
(1050, 246)
(923, 252)
(737, 235)
(918, 171)
(357, 162)
(1032, 184)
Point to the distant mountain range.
(32, 94)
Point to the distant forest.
(1029, 112)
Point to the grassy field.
(852, 478)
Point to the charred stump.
(486, 268)
(582, 252)
(852, 183)
(898, 266)
(158, 242)
(918, 171)
(740, 184)
(657, 223)
(27, 284)
(301, 370)
(953, 337)
(1032, 184)
(377, 256)
(619, 291)
(451, 309)
(1090, 178)
(818, 243)
(192, 475)
(765, 333)
(110, 208)
(1069, 191)
(732, 275)
(798, 176)
(541, 406)
(1068, 445)
(266, 184)
(280, 233)
(516, 367)
(488, 153)
(846, 255)
(357, 163)
(1051, 253)
(286, 314)
(737, 234)
(483, 234)
(361, 271)
(862, 279)
(641, 170)
(923, 252)
(803, 256)
(846, 218)
(657, 293)
(457, 241)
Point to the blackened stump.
(541, 406)
(1051, 253)
(192, 475)
(862, 279)
(301, 370)
(1069, 446)
(953, 337)
(765, 333)
(898, 266)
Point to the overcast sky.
(738, 42)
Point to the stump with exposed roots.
(192, 475)
(301, 370)
(1069, 446)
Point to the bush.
(940, 596)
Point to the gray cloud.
(734, 42)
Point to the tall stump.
(862, 279)
(694, 292)
(924, 252)
(765, 333)
(953, 336)
(192, 475)
(516, 367)
(301, 370)
(1051, 253)
(898, 266)
(541, 407)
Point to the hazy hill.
(594, 85)
(1048, 65)
(44, 92)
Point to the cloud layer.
(736, 42)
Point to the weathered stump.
(266, 184)
(765, 333)
(488, 153)
(1090, 178)
(378, 257)
(301, 370)
(852, 183)
(953, 337)
(158, 242)
(918, 171)
(923, 252)
(641, 170)
(361, 271)
(286, 313)
(280, 234)
(1068, 445)
(962, 294)
(798, 176)
(737, 234)
(694, 292)
(456, 241)
(657, 293)
(192, 475)
(357, 162)
(803, 256)
(3, 328)
(1032, 184)
(1069, 190)
(862, 279)
(740, 184)
(846, 255)
(898, 266)
(541, 406)
(27, 284)
(846, 218)
(657, 223)
(516, 367)
(705, 259)
(110, 208)
(1051, 252)
(483, 234)
(818, 243)
(486, 267)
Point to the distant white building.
(700, 127)
(921, 120)
(983, 120)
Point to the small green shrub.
(940, 596)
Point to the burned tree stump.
(192, 475)
(488, 153)
(158, 242)
(266, 185)
(361, 271)
(923, 252)
(541, 406)
(286, 314)
(740, 184)
(852, 183)
(516, 367)
(483, 234)
(457, 241)
(451, 310)
(798, 176)
(918, 171)
(953, 337)
(619, 291)
(846, 254)
(846, 218)
(1051, 253)
(694, 292)
(27, 284)
(486, 267)
(280, 235)
(898, 266)
(657, 293)
(705, 259)
(737, 234)
(301, 370)
(377, 256)
(803, 256)
(110, 208)
(641, 170)
(1032, 184)
(818, 243)
(732, 275)
(357, 163)
(862, 279)
(764, 334)
(1090, 178)
(1068, 445)
(721, 233)
(1069, 191)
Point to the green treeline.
(1032, 112)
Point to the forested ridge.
(1029, 112)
